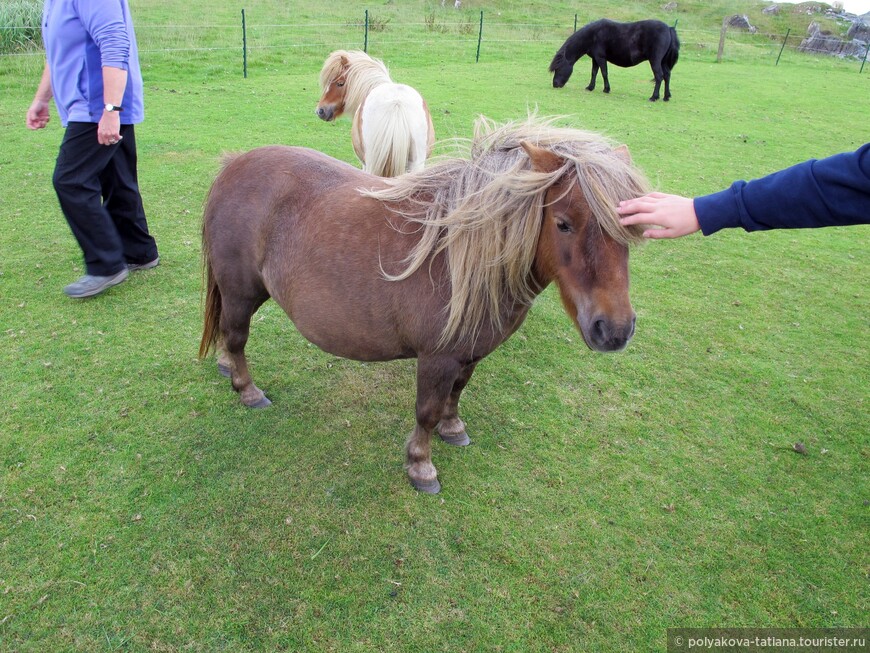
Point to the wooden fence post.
(722, 40)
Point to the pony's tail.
(673, 52)
(212, 308)
(391, 144)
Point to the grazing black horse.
(623, 44)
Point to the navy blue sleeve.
(818, 193)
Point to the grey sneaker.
(90, 285)
(143, 266)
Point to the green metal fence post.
(787, 32)
(479, 37)
(866, 50)
(366, 42)
(244, 47)
(575, 22)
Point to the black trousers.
(98, 190)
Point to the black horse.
(623, 44)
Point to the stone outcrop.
(819, 41)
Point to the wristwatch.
(113, 107)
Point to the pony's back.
(395, 129)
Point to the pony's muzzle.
(604, 335)
(325, 113)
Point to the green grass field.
(605, 498)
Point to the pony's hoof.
(456, 439)
(426, 487)
(224, 370)
(261, 402)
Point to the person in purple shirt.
(817, 193)
(92, 72)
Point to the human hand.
(674, 216)
(109, 128)
(38, 115)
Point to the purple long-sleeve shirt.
(817, 193)
(82, 36)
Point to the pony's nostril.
(599, 331)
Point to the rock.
(741, 22)
(671, 6)
(859, 31)
(772, 10)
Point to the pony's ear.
(543, 160)
(623, 153)
(345, 62)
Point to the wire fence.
(237, 48)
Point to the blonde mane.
(484, 211)
(363, 74)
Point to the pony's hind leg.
(666, 72)
(603, 66)
(235, 327)
(435, 381)
(224, 362)
(451, 428)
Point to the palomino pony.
(441, 264)
(392, 130)
(623, 44)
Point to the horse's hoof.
(456, 439)
(224, 370)
(426, 487)
(263, 402)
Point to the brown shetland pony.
(442, 265)
(392, 130)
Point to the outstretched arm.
(818, 193)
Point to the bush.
(20, 26)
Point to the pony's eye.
(563, 226)
(339, 84)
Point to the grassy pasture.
(605, 498)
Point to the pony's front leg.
(591, 86)
(435, 380)
(658, 74)
(451, 428)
